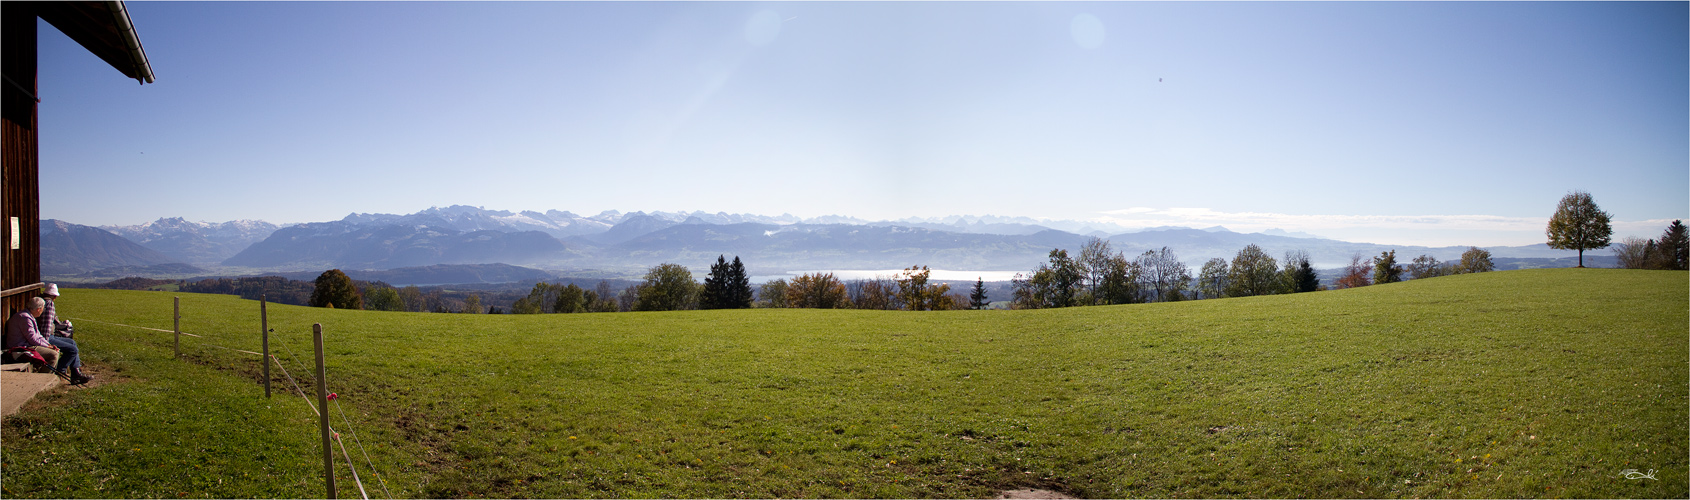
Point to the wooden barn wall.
(21, 188)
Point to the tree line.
(671, 287)
(1101, 276)
(1098, 275)
(1670, 252)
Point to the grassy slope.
(1510, 384)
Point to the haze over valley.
(618, 244)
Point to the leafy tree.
(1426, 266)
(1163, 276)
(526, 305)
(955, 301)
(1252, 273)
(1120, 282)
(667, 287)
(977, 297)
(413, 299)
(1674, 247)
(917, 294)
(1024, 292)
(1633, 253)
(1578, 224)
(1475, 260)
(604, 298)
(875, 294)
(1058, 282)
(1299, 275)
(335, 289)
(817, 291)
(772, 294)
(384, 298)
(1357, 274)
(472, 305)
(571, 299)
(628, 299)
(1385, 268)
(1212, 280)
(541, 299)
(1094, 264)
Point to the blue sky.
(1441, 123)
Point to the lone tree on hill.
(1475, 260)
(977, 298)
(335, 289)
(1578, 224)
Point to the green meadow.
(1537, 383)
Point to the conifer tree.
(1306, 280)
(738, 287)
(1385, 268)
(977, 298)
(1674, 247)
(714, 295)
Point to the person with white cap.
(47, 323)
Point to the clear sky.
(1440, 123)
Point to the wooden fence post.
(323, 404)
(178, 319)
(264, 325)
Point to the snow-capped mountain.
(196, 242)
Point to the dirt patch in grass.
(1030, 493)
(102, 376)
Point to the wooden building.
(104, 29)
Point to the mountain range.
(200, 243)
(617, 243)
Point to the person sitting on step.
(21, 332)
(48, 325)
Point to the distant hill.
(614, 243)
(69, 249)
(422, 242)
(196, 242)
(442, 274)
(153, 270)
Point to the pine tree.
(715, 295)
(1385, 268)
(1306, 280)
(1674, 247)
(738, 287)
(977, 298)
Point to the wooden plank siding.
(20, 168)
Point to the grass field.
(1539, 383)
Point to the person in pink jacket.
(61, 352)
(20, 332)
